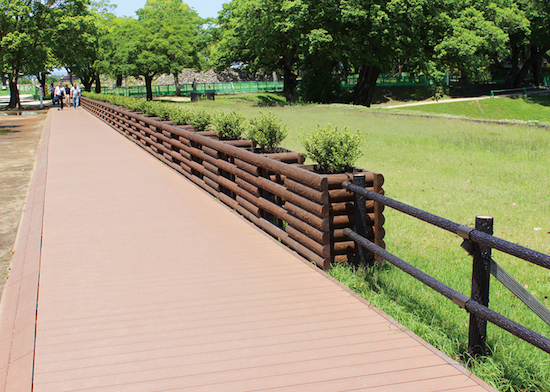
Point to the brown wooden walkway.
(127, 277)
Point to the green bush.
(335, 151)
(180, 116)
(164, 110)
(267, 132)
(200, 119)
(230, 126)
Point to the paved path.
(146, 283)
(451, 100)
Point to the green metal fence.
(218, 88)
(385, 80)
(403, 79)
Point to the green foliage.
(200, 119)
(472, 42)
(267, 131)
(163, 40)
(264, 34)
(335, 151)
(180, 115)
(230, 126)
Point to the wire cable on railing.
(516, 250)
(457, 297)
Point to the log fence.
(305, 210)
(478, 243)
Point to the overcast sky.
(205, 8)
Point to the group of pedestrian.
(68, 95)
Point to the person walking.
(75, 94)
(67, 95)
(59, 95)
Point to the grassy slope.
(532, 109)
(456, 169)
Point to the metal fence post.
(481, 274)
(360, 218)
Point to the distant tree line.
(320, 42)
(329, 39)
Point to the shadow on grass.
(543, 100)
(420, 93)
(406, 301)
(401, 93)
(270, 100)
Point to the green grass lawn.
(456, 169)
(533, 109)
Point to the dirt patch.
(19, 138)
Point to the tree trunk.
(511, 80)
(290, 78)
(14, 92)
(537, 72)
(363, 91)
(42, 80)
(119, 80)
(87, 80)
(97, 84)
(534, 58)
(149, 87)
(177, 83)
(464, 80)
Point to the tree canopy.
(264, 34)
(326, 40)
(164, 39)
(37, 36)
(313, 44)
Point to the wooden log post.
(481, 274)
(360, 219)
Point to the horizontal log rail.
(478, 242)
(303, 209)
(474, 235)
(460, 299)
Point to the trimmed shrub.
(200, 119)
(267, 132)
(229, 126)
(335, 151)
(180, 116)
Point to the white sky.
(205, 8)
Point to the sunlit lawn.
(534, 108)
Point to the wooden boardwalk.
(127, 277)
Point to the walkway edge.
(20, 295)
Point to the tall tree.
(24, 45)
(79, 40)
(536, 45)
(162, 40)
(28, 30)
(264, 34)
(470, 42)
(325, 57)
(372, 35)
